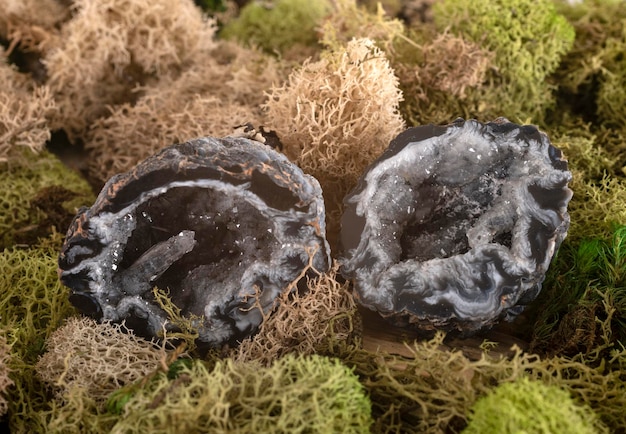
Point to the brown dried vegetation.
(23, 111)
(111, 46)
(336, 116)
(209, 99)
(305, 323)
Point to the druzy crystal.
(454, 226)
(224, 226)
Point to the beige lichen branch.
(309, 322)
(337, 115)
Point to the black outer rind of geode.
(454, 227)
(224, 225)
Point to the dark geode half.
(455, 226)
(226, 225)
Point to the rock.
(225, 225)
(454, 227)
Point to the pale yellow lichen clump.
(23, 111)
(99, 358)
(110, 46)
(336, 115)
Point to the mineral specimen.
(454, 226)
(224, 225)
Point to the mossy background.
(91, 88)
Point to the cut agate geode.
(223, 225)
(454, 227)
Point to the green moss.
(583, 304)
(276, 28)
(212, 6)
(528, 39)
(32, 306)
(591, 76)
(525, 406)
(439, 76)
(38, 192)
(349, 20)
(433, 388)
(294, 395)
(599, 199)
(611, 99)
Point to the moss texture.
(592, 76)
(32, 306)
(342, 111)
(125, 78)
(23, 110)
(432, 390)
(278, 27)
(586, 289)
(529, 406)
(296, 394)
(97, 358)
(528, 39)
(5, 380)
(38, 196)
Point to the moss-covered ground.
(120, 79)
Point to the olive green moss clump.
(528, 39)
(349, 20)
(441, 76)
(294, 395)
(37, 193)
(592, 76)
(598, 183)
(32, 306)
(526, 406)
(433, 390)
(277, 28)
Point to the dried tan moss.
(31, 25)
(110, 46)
(98, 358)
(335, 116)
(447, 64)
(23, 111)
(308, 323)
(5, 380)
(210, 98)
(436, 75)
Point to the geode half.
(224, 225)
(454, 227)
